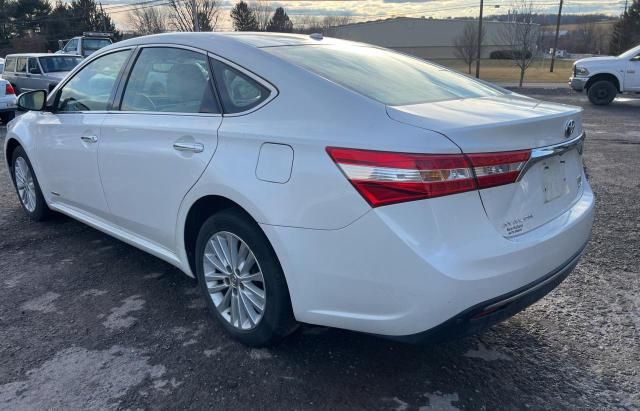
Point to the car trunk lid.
(549, 183)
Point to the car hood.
(596, 60)
(497, 123)
(57, 75)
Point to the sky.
(363, 10)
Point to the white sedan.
(303, 179)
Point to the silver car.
(37, 71)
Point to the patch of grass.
(506, 71)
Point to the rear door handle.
(89, 139)
(194, 147)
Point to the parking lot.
(88, 322)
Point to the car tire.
(238, 281)
(602, 92)
(27, 186)
(6, 117)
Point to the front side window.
(168, 80)
(90, 89)
(389, 77)
(59, 63)
(21, 66)
(72, 45)
(238, 91)
(33, 66)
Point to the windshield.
(630, 53)
(383, 75)
(59, 63)
(95, 44)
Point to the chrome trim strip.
(541, 153)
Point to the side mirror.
(32, 100)
(636, 58)
(34, 70)
(60, 44)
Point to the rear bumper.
(578, 83)
(403, 269)
(483, 315)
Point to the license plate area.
(554, 177)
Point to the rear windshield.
(386, 76)
(59, 63)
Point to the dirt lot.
(87, 322)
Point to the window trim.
(54, 98)
(119, 97)
(273, 89)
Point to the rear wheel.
(602, 92)
(27, 187)
(7, 117)
(242, 281)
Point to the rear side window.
(33, 66)
(167, 80)
(238, 91)
(21, 67)
(90, 89)
(10, 64)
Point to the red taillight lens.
(495, 169)
(384, 178)
(9, 89)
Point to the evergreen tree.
(244, 19)
(626, 32)
(280, 22)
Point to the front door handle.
(194, 147)
(89, 139)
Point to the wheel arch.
(10, 147)
(607, 77)
(203, 208)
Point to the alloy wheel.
(234, 280)
(25, 184)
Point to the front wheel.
(602, 92)
(27, 187)
(242, 281)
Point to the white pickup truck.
(604, 77)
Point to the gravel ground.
(87, 322)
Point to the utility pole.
(194, 11)
(555, 42)
(104, 22)
(479, 40)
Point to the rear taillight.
(384, 178)
(9, 89)
(496, 169)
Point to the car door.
(156, 147)
(33, 80)
(68, 145)
(632, 75)
(20, 74)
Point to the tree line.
(37, 25)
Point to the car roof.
(40, 55)
(209, 40)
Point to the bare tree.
(466, 44)
(263, 10)
(148, 20)
(316, 24)
(181, 13)
(521, 34)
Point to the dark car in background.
(37, 71)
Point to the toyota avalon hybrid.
(314, 180)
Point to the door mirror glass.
(32, 100)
